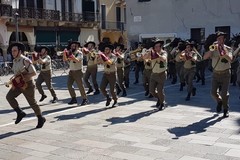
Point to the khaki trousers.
(45, 76)
(189, 74)
(109, 78)
(180, 71)
(146, 78)
(221, 79)
(120, 75)
(29, 94)
(91, 71)
(76, 76)
(157, 81)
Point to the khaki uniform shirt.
(22, 62)
(127, 60)
(76, 65)
(47, 63)
(110, 68)
(216, 60)
(188, 64)
(156, 63)
(120, 61)
(147, 64)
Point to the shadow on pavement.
(79, 115)
(10, 134)
(194, 128)
(131, 118)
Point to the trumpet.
(136, 51)
(213, 47)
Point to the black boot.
(181, 87)
(150, 96)
(108, 101)
(188, 97)
(89, 91)
(136, 82)
(219, 107)
(73, 101)
(161, 107)
(41, 121)
(146, 93)
(43, 97)
(115, 104)
(54, 99)
(118, 89)
(225, 113)
(84, 102)
(124, 94)
(20, 115)
(96, 92)
(194, 91)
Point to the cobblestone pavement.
(135, 130)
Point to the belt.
(109, 72)
(221, 72)
(76, 70)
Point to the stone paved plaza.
(135, 130)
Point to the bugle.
(213, 47)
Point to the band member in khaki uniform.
(75, 58)
(159, 72)
(127, 65)
(23, 71)
(189, 57)
(236, 53)
(221, 56)
(45, 74)
(108, 59)
(147, 74)
(92, 67)
(120, 69)
(179, 63)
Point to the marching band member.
(179, 63)
(159, 72)
(236, 53)
(189, 57)
(127, 65)
(139, 65)
(147, 74)
(221, 56)
(75, 58)
(108, 59)
(45, 74)
(92, 67)
(24, 67)
(120, 69)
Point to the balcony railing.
(44, 14)
(114, 25)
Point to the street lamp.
(15, 5)
(16, 18)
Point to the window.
(225, 29)
(118, 17)
(198, 34)
(103, 9)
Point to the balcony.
(120, 26)
(47, 15)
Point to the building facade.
(113, 21)
(48, 22)
(183, 18)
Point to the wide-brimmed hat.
(90, 42)
(74, 42)
(190, 43)
(110, 46)
(46, 48)
(119, 45)
(20, 46)
(157, 40)
(219, 33)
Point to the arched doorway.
(22, 38)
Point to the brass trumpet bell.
(213, 48)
